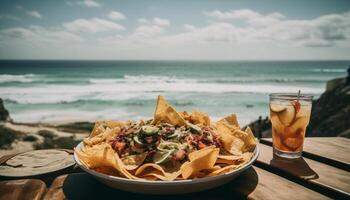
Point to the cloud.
(87, 3)
(161, 22)
(250, 16)
(156, 21)
(319, 32)
(34, 14)
(10, 17)
(147, 31)
(37, 35)
(143, 20)
(93, 25)
(114, 15)
(233, 34)
(216, 32)
(189, 27)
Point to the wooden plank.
(254, 183)
(313, 174)
(272, 186)
(55, 191)
(22, 189)
(334, 151)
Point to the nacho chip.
(231, 121)
(198, 117)
(134, 161)
(102, 155)
(230, 143)
(234, 140)
(195, 154)
(151, 169)
(184, 115)
(230, 157)
(205, 161)
(251, 141)
(105, 136)
(225, 169)
(98, 128)
(247, 138)
(113, 124)
(166, 113)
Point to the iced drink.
(290, 115)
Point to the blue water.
(50, 91)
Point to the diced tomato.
(201, 145)
(151, 153)
(119, 146)
(180, 154)
(189, 139)
(149, 140)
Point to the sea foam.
(133, 87)
(23, 78)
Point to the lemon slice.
(288, 115)
(277, 107)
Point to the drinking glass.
(290, 115)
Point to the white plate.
(166, 187)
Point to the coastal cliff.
(330, 115)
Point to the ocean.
(63, 91)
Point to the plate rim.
(256, 153)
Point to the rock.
(334, 83)
(330, 114)
(261, 127)
(77, 127)
(4, 114)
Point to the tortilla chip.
(98, 129)
(166, 113)
(205, 161)
(198, 117)
(151, 169)
(167, 177)
(105, 136)
(225, 169)
(230, 157)
(247, 138)
(234, 140)
(184, 115)
(102, 155)
(114, 124)
(251, 141)
(133, 161)
(231, 121)
(195, 154)
(230, 143)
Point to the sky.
(175, 30)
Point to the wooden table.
(323, 173)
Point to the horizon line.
(181, 60)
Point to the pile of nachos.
(171, 146)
